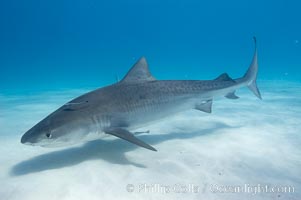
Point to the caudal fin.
(251, 75)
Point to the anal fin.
(231, 95)
(205, 107)
(128, 136)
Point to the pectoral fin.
(141, 132)
(205, 107)
(128, 136)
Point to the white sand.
(244, 142)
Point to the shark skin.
(135, 101)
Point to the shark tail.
(251, 75)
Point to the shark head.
(63, 127)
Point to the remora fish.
(135, 101)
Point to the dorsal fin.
(139, 72)
(224, 77)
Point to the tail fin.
(251, 75)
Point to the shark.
(134, 102)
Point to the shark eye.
(48, 135)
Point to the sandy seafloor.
(244, 142)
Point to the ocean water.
(52, 52)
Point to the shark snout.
(25, 140)
(28, 138)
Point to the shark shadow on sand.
(112, 151)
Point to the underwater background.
(71, 44)
(53, 51)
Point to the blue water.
(72, 44)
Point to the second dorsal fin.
(224, 77)
(139, 72)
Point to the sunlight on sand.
(243, 143)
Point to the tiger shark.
(135, 101)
